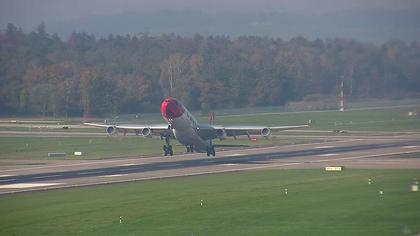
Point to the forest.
(42, 74)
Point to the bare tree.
(173, 69)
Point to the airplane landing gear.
(190, 148)
(167, 149)
(211, 151)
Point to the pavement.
(348, 151)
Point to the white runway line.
(234, 155)
(129, 164)
(328, 155)
(409, 146)
(27, 185)
(229, 164)
(112, 176)
(324, 147)
(5, 176)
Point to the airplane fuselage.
(183, 124)
(186, 133)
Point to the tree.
(42, 74)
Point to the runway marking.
(328, 155)
(234, 155)
(304, 144)
(229, 164)
(69, 165)
(1, 176)
(324, 147)
(45, 176)
(366, 156)
(409, 147)
(129, 164)
(27, 185)
(112, 176)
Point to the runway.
(349, 152)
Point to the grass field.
(382, 119)
(393, 119)
(248, 203)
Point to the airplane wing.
(144, 130)
(218, 131)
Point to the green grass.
(248, 203)
(407, 155)
(390, 120)
(92, 148)
(40, 130)
(372, 120)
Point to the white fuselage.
(185, 130)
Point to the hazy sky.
(29, 13)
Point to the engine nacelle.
(111, 130)
(265, 132)
(221, 134)
(146, 132)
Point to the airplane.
(184, 127)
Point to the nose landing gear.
(211, 151)
(167, 149)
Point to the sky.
(29, 13)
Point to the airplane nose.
(171, 109)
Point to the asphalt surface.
(349, 152)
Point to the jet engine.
(265, 132)
(111, 130)
(221, 134)
(146, 132)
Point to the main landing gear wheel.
(167, 149)
(190, 148)
(211, 151)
